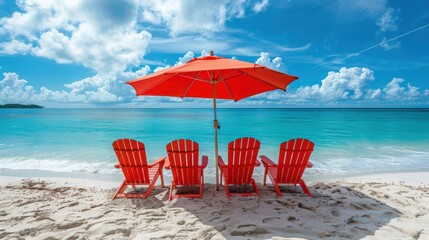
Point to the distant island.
(20, 106)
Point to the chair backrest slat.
(293, 158)
(131, 155)
(242, 154)
(183, 157)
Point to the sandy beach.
(383, 206)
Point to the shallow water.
(347, 141)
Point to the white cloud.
(193, 16)
(151, 17)
(295, 49)
(13, 89)
(394, 90)
(106, 35)
(100, 88)
(348, 86)
(54, 45)
(188, 56)
(14, 47)
(98, 34)
(260, 6)
(276, 63)
(387, 22)
(373, 94)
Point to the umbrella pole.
(215, 125)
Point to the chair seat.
(191, 181)
(153, 171)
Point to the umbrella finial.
(211, 52)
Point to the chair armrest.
(167, 163)
(160, 161)
(309, 165)
(267, 162)
(205, 161)
(117, 165)
(221, 163)
(257, 163)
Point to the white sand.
(384, 206)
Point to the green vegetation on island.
(20, 106)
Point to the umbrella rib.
(193, 78)
(190, 85)
(226, 85)
(226, 77)
(149, 88)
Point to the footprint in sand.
(96, 205)
(352, 220)
(4, 234)
(181, 222)
(73, 204)
(222, 219)
(124, 231)
(336, 190)
(285, 203)
(268, 220)
(248, 229)
(419, 214)
(28, 232)
(335, 213)
(301, 205)
(69, 225)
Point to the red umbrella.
(212, 77)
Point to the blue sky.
(79, 53)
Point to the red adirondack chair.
(242, 154)
(293, 159)
(183, 162)
(132, 161)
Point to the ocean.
(347, 141)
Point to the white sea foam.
(367, 159)
(57, 165)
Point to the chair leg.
(221, 177)
(201, 190)
(305, 188)
(151, 185)
(227, 190)
(120, 190)
(265, 175)
(162, 177)
(276, 187)
(255, 188)
(170, 197)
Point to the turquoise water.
(347, 140)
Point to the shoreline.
(118, 177)
(377, 206)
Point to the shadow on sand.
(336, 211)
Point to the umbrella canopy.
(212, 77)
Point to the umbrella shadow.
(336, 211)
